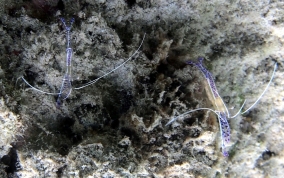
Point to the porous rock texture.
(116, 127)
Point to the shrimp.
(66, 86)
(220, 108)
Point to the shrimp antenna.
(266, 88)
(240, 110)
(94, 81)
(175, 118)
(36, 89)
(223, 124)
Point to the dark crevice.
(130, 3)
(11, 160)
(267, 154)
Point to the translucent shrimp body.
(220, 108)
(66, 86)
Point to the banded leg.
(225, 132)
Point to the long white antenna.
(239, 110)
(94, 81)
(38, 89)
(175, 118)
(275, 67)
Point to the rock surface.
(116, 127)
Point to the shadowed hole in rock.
(267, 155)
(11, 160)
(130, 3)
